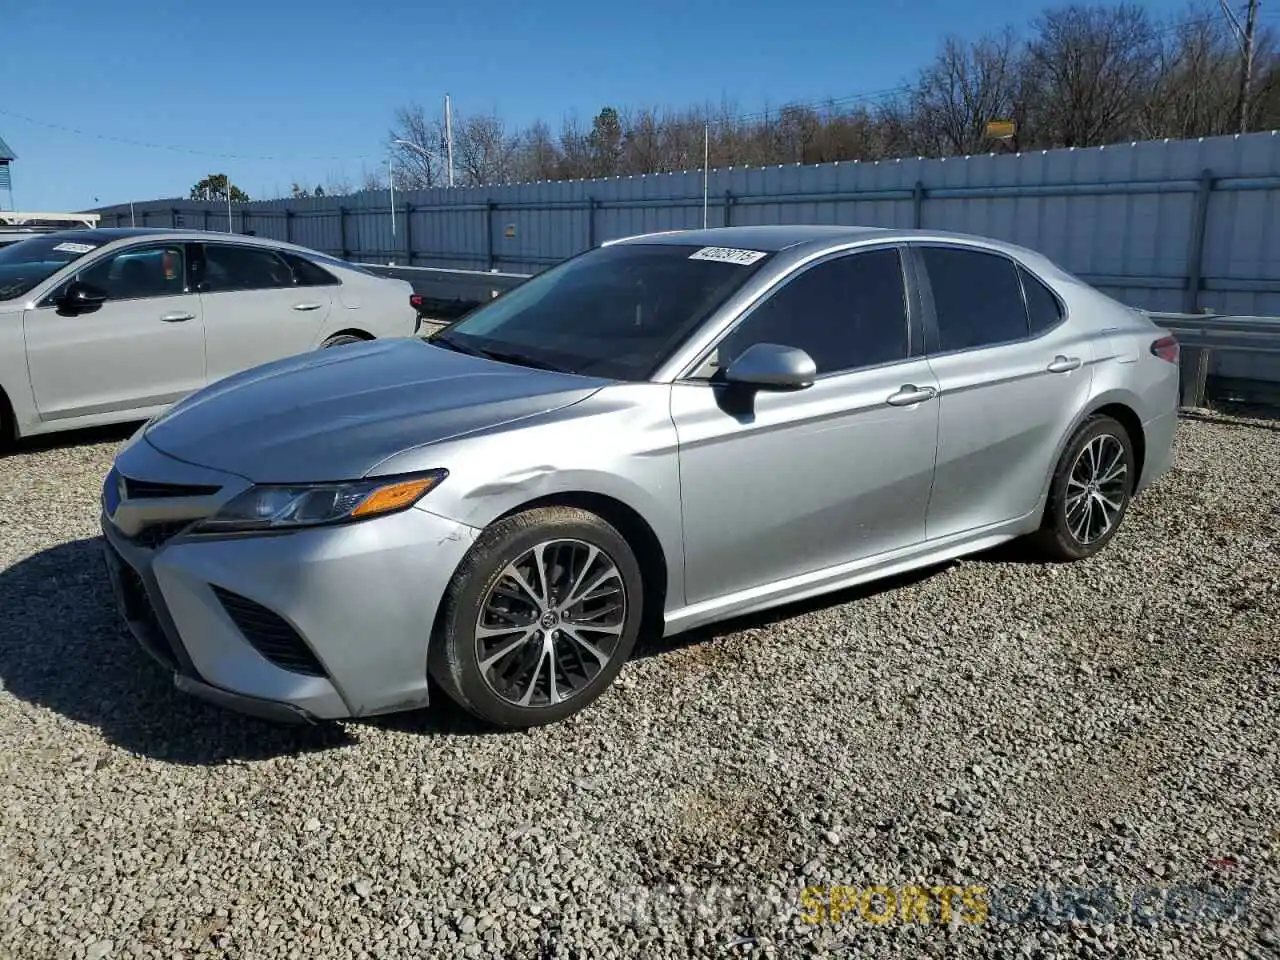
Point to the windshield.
(615, 312)
(29, 262)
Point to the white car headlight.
(293, 506)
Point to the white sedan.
(115, 325)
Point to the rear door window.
(977, 298)
(227, 267)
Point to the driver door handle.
(307, 306)
(177, 317)
(1063, 364)
(909, 393)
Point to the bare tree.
(419, 164)
(1085, 75)
(338, 186)
(575, 150)
(483, 151)
(967, 86)
(1195, 86)
(537, 157)
(1090, 71)
(642, 148)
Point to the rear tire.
(8, 425)
(1090, 492)
(341, 339)
(539, 618)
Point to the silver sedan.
(113, 325)
(660, 433)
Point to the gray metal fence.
(1164, 225)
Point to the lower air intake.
(270, 634)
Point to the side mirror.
(772, 366)
(80, 297)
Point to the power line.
(170, 147)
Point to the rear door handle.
(909, 393)
(177, 317)
(307, 306)
(1063, 364)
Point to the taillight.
(1166, 348)
(415, 301)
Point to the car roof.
(775, 239)
(771, 239)
(104, 235)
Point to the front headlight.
(293, 506)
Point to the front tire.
(1090, 491)
(539, 618)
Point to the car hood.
(336, 414)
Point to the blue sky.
(307, 91)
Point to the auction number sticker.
(728, 255)
(74, 247)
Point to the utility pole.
(1244, 34)
(448, 136)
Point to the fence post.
(489, 207)
(173, 215)
(728, 207)
(408, 234)
(342, 232)
(288, 226)
(592, 203)
(917, 205)
(244, 220)
(205, 213)
(1195, 244)
(1195, 375)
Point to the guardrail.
(1202, 336)
(450, 293)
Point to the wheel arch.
(1128, 418)
(634, 528)
(1116, 404)
(349, 332)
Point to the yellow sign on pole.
(1000, 129)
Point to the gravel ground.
(1108, 726)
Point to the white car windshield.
(30, 262)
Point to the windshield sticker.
(728, 255)
(74, 247)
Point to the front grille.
(150, 490)
(270, 634)
(155, 535)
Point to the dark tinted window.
(139, 272)
(615, 311)
(228, 267)
(977, 297)
(847, 313)
(1042, 306)
(309, 274)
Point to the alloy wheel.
(1096, 489)
(550, 623)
